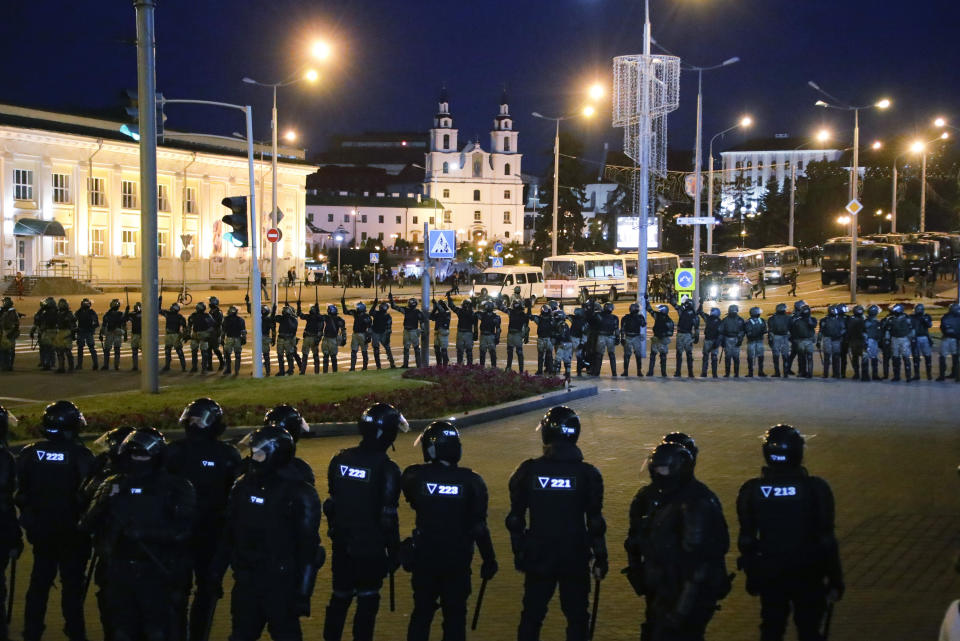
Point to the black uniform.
(380, 329)
(732, 330)
(633, 329)
(755, 329)
(11, 540)
(711, 340)
(803, 330)
(451, 507)
(112, 321)
(217, 315)
(211, 466)
(545, 330)
(788, 549)
(176, 325)
(201, 322)
(87, 324)
(362, 324)
(334, 327)
(518, 332)
(578, 328)
(312, 332)
(688, 323)
(608, 329)
(950, 331)
(286, 325)
(49, 476)
(440, 315)
(856, 343)
(364, 487)
(135, 318)
(899, 329)
(269, 328)
(66, 323)
(235, 328)
(833, 328)
(778, 325)
(564, 498)
(413, 320)
(489, 327)
(467, 331)
(663, 327)
(921, 329)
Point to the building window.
(128, 243)
(310, 217)
(476, 216)
(128, 194)
(432, 221)
(506, 144)
(61, 189)
(506, 169)
(363, 236)
(749, 165)
(380, 219)
(414, 220)
(61, 244)
(163, 199)
(380, 235)
(415, 237)
(446, 145)
(506, 217)
(448, 216)
(478, 165)
(506, 194)
(97, 244)
(329, 218)
(739, 165)
(98, 197)
(476, 194)
(346, 218)
(363, 218)
(760, 165)
(23, 184)
(191, 200)
(446, 167)
(398, 220)
(446, 193)
(506, 234)
(163, 239)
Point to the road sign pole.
(425, 297)
(254, 236)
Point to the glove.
(407, 553)
(600, 568)
(519, 561)
(488, 569)
(393, 560)
(616, 340)
(526, 340)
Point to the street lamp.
(881, 104)
(290, 135)
(822, 136)
(320, 51)
(917, 147)
(586, 112)
(744, 122)
(698, 162)
(339, 238)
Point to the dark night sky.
(391, 57)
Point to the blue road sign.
(685, 277)
(498, 247)
(443, 243)
(496, 261)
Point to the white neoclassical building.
(480, 190)
(70, 201)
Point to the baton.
(596, 605)
(476, 609)
(393, 596)
(88, 576)
(826, 621)
(13, 583)
(127, 294)
(300, 291)
(316, 294)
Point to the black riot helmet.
(805, 310)
(897, 309)
(954, 308)
(384, 307)
(214, 301)
(781, 308)
(232, 310)
(204, 417)
(634, 308)
(918, 308)
(517, 304)
(858, 310)
(201, 307)
(7, 302)
(271, 447)
(137, 307)
(783, 445)
(289, 418)
(379, 425)
(468, 303)
(687, 303)
(49, 302)
(546, 310)
(175, 307)
(7, 420)
(684, 440)
(872, 311)
(412, 303)
(488, 306)
(141, 452)
(715, 312)
(115, 303)
(86, 303)
(62, 420)
(332, 310)
(362, 308)
(63, 305)
(832, 310)
(799, 305)
(754, 312)
(733, 309)
(670, 466)
(109, 442)
(264, 310)
(440, 441)
(560, 423)
(608, 307)
(662, 309)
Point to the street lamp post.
(339, 238)
(746, 121)
(854, 170)
(822, 136)
(917, 147)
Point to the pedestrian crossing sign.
(496, 261)
(443, 243)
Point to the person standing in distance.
(788, 549)
(50, 473)
(565, 540)
(364, 487)
(451, 507)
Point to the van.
(780, 263)
(502, 280)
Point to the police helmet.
(554, 305)
(783, 445)
(858, 310)
(440, 441)
(799, 305)
(62, 420)
(754, 312)
(578, 311)
(289, 418)
(560, 315)
(384, 307)
(214, 300)
(361, 307)
(546, 310)
(7, 302)
(442, 304)
(379, 425)
(805, 310)
(468, 303)
(288, 311)
(174, 307)
(954, 308)
(670, 465)
(873, 310)
(109, 442)
(271, 447)
(687, 303)
(86, 303)
(332, 310)
(203, 416)
(142, 450)
(897, 309)
(684, 440)
(517, 304)
(115, 303)
(412, 303)
(7, 420)
(841, 308)
(560, 423)
(137, 307)
(516, 289)
(733, 309)
(232, 310)
(634, 308)
(63, 305)
(264, 310)
(715, 311)
(488, 305)
(832, 310)
(918, 308)
(663, 309)
(781, 308)
(608, 307)
(201, 307)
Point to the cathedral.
(480, 190)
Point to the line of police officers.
(591, 332)
(166, 521)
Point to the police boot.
(726, 366)
(736, 367)
(653, 362)
(906, 370)
(520, 360)
(393, 364)
(689, 365)
(928, 364)
(297, 359)
(788, 364)
(539, 363)
(469, 354)
(916, 368)
(266, 364)
(326, 364)
(663, 365)
(366, 360)
(837, 366)
(80, 357)
(874, 368)
(510, 359)
(626, 364)
(281, 369)
(826, 366)
(135, 355)
(483, 358)
(856, 368)
(677, 372)
(956, 368)
(236, 363)
(60, 363)
(69, 355)
(226, 369)
(749, 367)
(166, 359)
(193, 361)
(703, 369)
(336, 616)
(290, 358)
(552, 367)
(639, 366)
(493, 358)
(886, 367)
(843, 367)
(459, 357)
(943, 369)
(216, 352)
(714, 365)
(776, 366)
(93, 357)
(353, 361)
(376, 358)
(896, 371)
(809, 365)
(316, 363)
(760, 367)
(406, 357)
(365, 616)
(333, 363)
(106, 360)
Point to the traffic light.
(133, 112)
(237, 219)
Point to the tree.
(572, 179)
(822, 195)
(769, 226)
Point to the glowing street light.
(883, 103)
(290, 135)
(918, 146)
(596, 91)
(940, 122)
(823, 135)
(589, 111)
(744, 122)
(876, 145)
(843, 220)
(321, 50)
(311, 75)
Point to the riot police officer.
(141, 519)
(106, 461)
(334, 336)
(45, 327)
(518, 330)
(174, 330)
(440, 315)
(829, 341)
(688, 326)
(855, 341)
(565, 540)
(290, 419)
(11, 539)
(608, 336)
(312, 330)
(364, 486)
(794, 342)
(787, 545)
(564, 341)
(269, 328)
(680, 541)
(467, 330)
(413, 320)
(66, 334)
(216, 338)
(9, 332)
(489, 325)
(135, 318)
(844, 340)
(233, 335)
(711, 339)
(803, 329)
(49, 476)
(360, 336)
(732, 331)
(755, 328)
(451, 507)
(633, 333)
(920, 346)
(211, 466)
(578, 331)
(286, 324)
(778, 337)
(662, 331)
(272, 542)
(112, 334)
(87, 323)
(950, 333)
(200, 325)
(380, 331)
(872, 337)
(545, 338)
(900, 334)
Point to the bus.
(879, 265)
(780, 263)
(920, 255)
(658, 263)
(735, 261)
(580, 275)
(502, 280)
